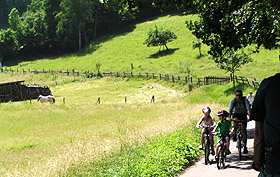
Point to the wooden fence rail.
(244, 80)
(207, 80)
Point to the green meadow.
(117, 52)
(82, 138)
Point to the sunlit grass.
(119, 52)
(45, 140)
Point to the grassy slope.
(117, 52)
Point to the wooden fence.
(207, 80)
(244, 80)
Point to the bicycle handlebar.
(237, 120)
(206, 126)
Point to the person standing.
(239, 108)
(267, 127)
(251, 98)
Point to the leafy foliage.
(166, 156)
(231, 61)
(160, 37)
(197, 45)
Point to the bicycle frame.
(206, 144)
(221, 156)
(239, 134)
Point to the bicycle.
(239, 136)
(221, 153)
(206, 143)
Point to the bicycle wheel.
(239, 144)
(206, 151)
(220, 161)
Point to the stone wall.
(15, 91)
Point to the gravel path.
(234, 167)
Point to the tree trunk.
(199, 48)
(233, 77)
(86, 38)
(80, 40)
(95, 24)
(166, 46)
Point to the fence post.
(153, 75)
(153, 99)
(186, 79)
(98, 100)
(147, 75)
(173, 78)
(125, 99)
(63, 100)
(159, 76)
(131, 74)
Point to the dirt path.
(234, 167)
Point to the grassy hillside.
(117, 53)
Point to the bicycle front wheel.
(206, 151)
(220, 156)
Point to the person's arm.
(214, 122)
(258, 114)
(199, 122)
(259, 146)
(230, 107)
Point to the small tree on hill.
(197, 45)
(160, 37)
(231, 61)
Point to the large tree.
(72, 20)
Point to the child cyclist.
(207, 121)
(224, 128)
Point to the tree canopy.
(160, 37)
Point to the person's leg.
(202, 139)
(212, 144)
(244, 132)
(228, 143)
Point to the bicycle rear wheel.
(206, 151)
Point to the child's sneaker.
(200, 147)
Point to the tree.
(72, 19)
(231, 61)
(197, 45)
(160, 37)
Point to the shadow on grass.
(94, 45)
(200, 56)
(238, 86)
(163, 53)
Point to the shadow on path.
(246, 160)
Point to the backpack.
(243, 98)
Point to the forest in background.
(61, 26)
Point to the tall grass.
(45, 140)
